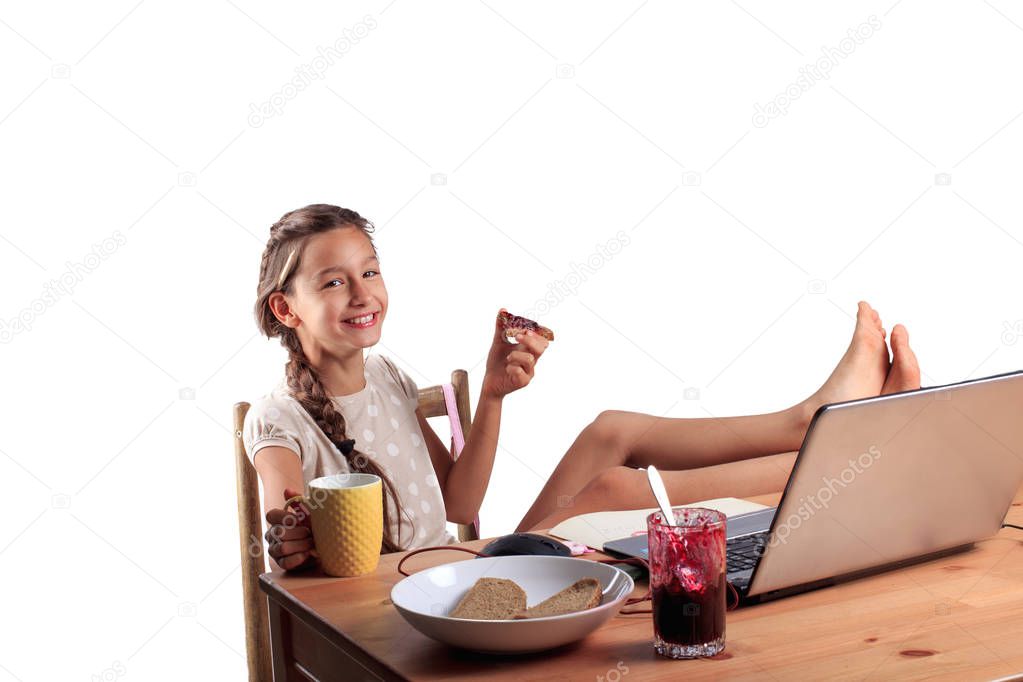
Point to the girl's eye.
(370, 273)
(330, 284)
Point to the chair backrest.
(250, 521)
(432, 404)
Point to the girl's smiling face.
(338, 293)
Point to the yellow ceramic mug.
(348, 521)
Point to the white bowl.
(425, 598)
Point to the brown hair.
(281, 260)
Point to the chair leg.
(467, 532)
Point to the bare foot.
(862, 370)
(904, 374)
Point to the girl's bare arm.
(290, 539)
(464, 481)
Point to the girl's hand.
(510, 366)
(290, 536)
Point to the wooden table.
(956, 618)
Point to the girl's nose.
(360, 292)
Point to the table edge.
(299, 610)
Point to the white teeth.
(365, 319)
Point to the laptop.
(881, 483)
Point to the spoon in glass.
(660, 494)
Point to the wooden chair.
(250, 524)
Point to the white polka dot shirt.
(381, 418)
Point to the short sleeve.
(397, 375)
(268, 422)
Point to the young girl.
(322, 294)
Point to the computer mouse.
(525, 543)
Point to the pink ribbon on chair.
(457, 437)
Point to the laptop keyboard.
(744, 552)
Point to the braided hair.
(281, 259)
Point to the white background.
(555, 127)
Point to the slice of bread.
(579, 596)
(491, 599)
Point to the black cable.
(1011, 525)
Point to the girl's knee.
(607, 428)
(610, 489)
(618, 432)
(609, 483)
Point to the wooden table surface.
(959, 617)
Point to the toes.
(905, 350)
(905, 374)
(900, 338)
(867, 316)
(869, 335)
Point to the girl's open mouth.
(363, 321)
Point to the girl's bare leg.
(626, 488)
(627, 439)
(631, 439)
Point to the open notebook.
(596, 528)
